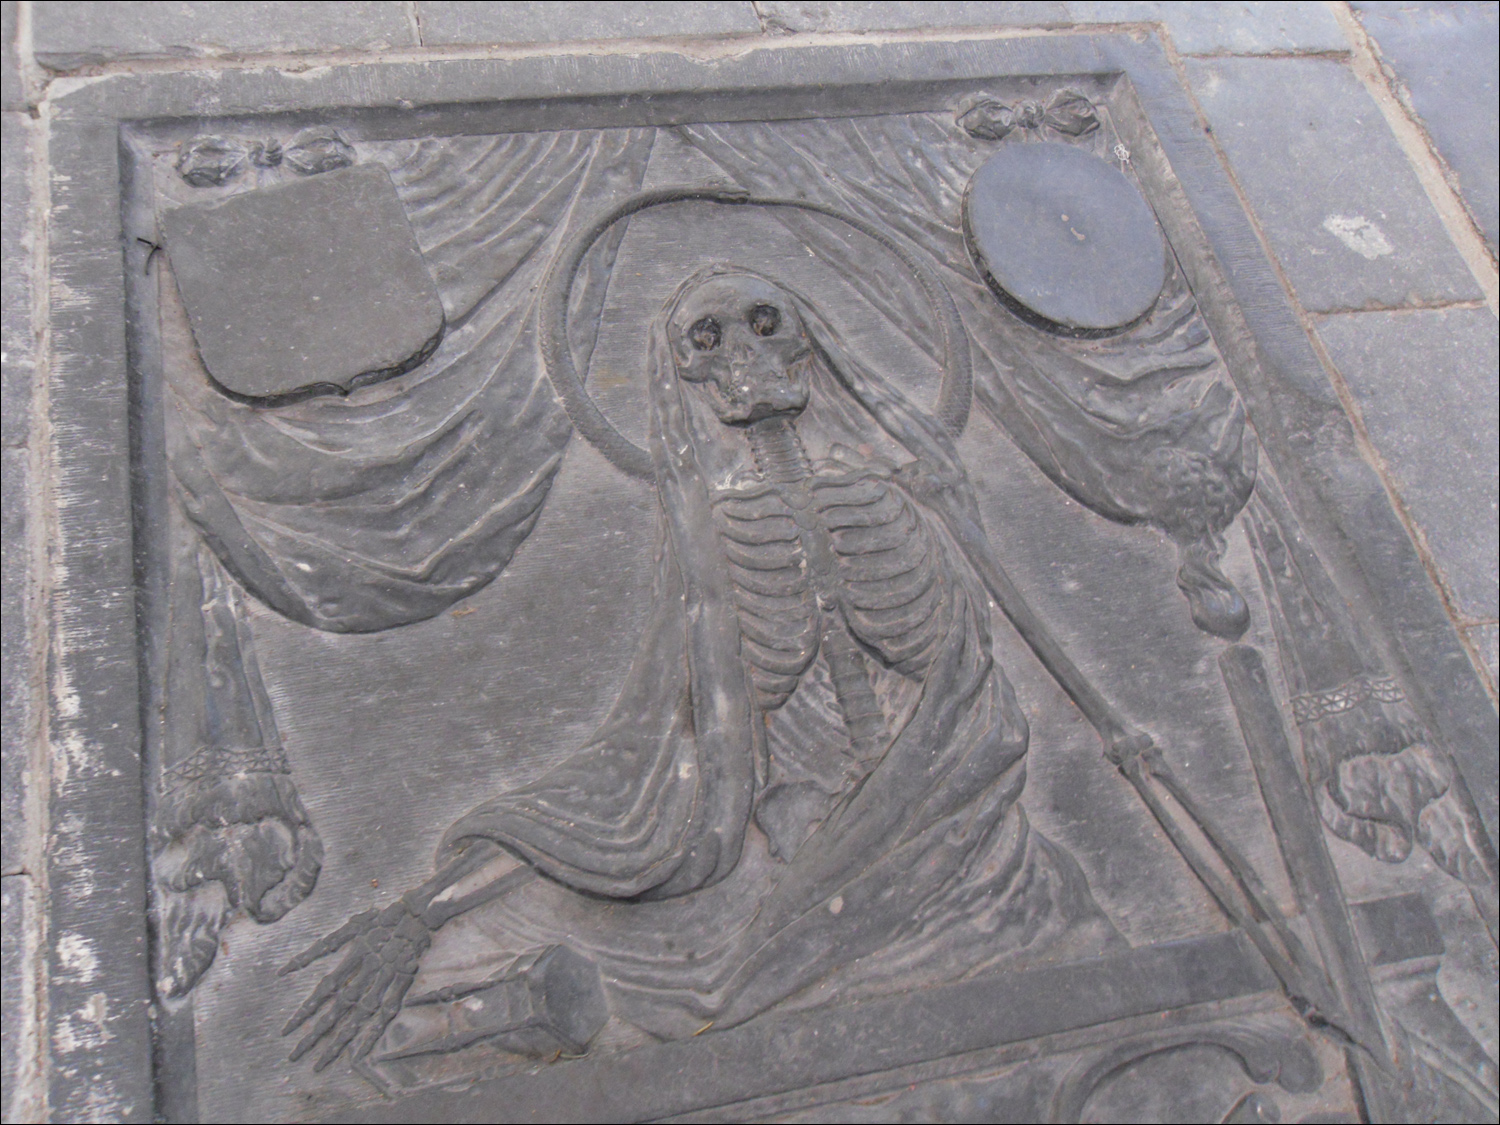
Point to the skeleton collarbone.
(843, 555)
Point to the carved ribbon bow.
(1067, 112)
(211, 160)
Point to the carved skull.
(739, 337)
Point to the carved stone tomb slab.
(827, 585)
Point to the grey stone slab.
(17, 345)
(70, 35)
(15, 909)
(1228, 29)
(1444, 55)
(1330, 184)
(15, 658)
(877, 16)
(486, 23)
(1426, 385)
(1486, 638)
(12, 95)
(96, 983)
(311, 286)
(389, 735)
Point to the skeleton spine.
(778, 451)
(782, 460)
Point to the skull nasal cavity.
(764, 320)
(705, 334)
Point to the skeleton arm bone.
(481, 873)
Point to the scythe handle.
(1242, 898)
(1122, 742)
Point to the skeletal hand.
(365, 993)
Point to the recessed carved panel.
(786, 618)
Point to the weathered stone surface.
(1330, 185)
(447, 21)
(311, 286)
(1486, 638)
(875, 15)
(16, 663)
(12, 96)
(728, 565)
(17, 1027)
(1228, 29)
(17, 345)
(1444, 57)
(1426, 382)
(69, 35)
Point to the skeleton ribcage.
(880, 570)
(895, 586)
(773, 590)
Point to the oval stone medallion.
(1063, 238)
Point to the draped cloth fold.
(384, 508)
(356, 514)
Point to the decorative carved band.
(1318, 705)
(218, 761)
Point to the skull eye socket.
(705, 334)
(764, 320)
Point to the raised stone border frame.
(100, 1051)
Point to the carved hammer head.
(740, 338)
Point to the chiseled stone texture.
(12, 94)
(1229, 29)
(1330, 184)
(16, 344)
(1486, 638)
(16, 368)
(1426, 383)
(1444, 56)
(15, 659)
(797, 15)
(70, 35)
(15, 907)
(487, 23)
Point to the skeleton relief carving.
(818, 667)
(914, 534)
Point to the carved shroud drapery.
(360, 514)
(925, 867)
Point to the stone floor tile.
(1445, 57)
(69, 35)
(15, 657)
(1426, 382)
(1332, 188)
(12, 95)
(1228, 29)
(485, 23)
(798, 16)
(16, 345)
(15, 905)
